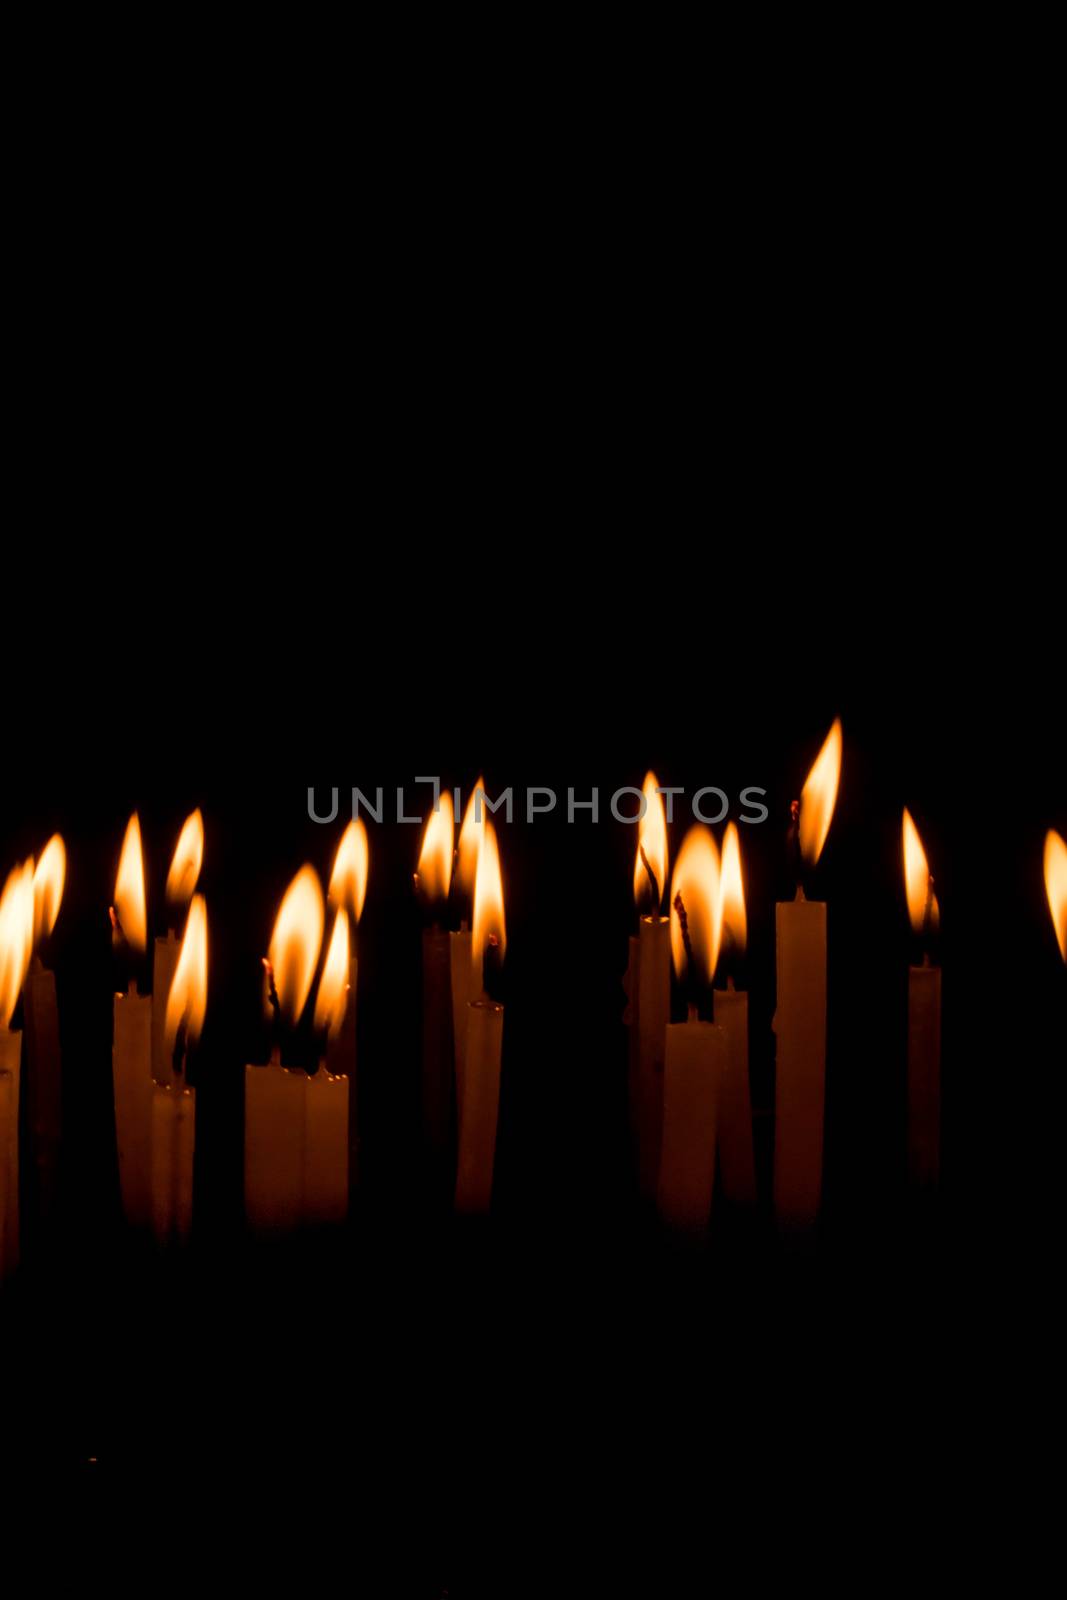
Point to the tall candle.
(173, 1145)
(479, 1105)
(348, 891)
(693, 1050)
(651, 983)
(326, 1094)
(274, 1148)
(432, 882)
(164, 961)
(800, 1015)
(131, 1049)
(182, 879)
(10, 1059)
(466, 977)
(737, 1161)
(16, 943)
(924, 1021)
(44, 1084)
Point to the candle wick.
(928, 910)
(692, 1015)
(651, 878)
(794, 845)
(683, 919)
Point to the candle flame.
(348, 880)
(818, 796)
(49, 876)
(187, 1001)
(16, 937)
(488, 922)
(435, 858)
(918, 883)
(1056, 885)
(129, 888)
(734, 920)
(296, 942)
(188, 858)
(697, 882)
(331, 1002)
(651, 848)
(470, 840)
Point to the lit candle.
(694, 1050)
(348, 890)
(174, 1102)
(924, 1021)
(800, 1015)
(737, 1162)
(44, 1082)
(649, 986)
(131, 1050)
(275, 1094)
(181, 881)
(432, 882)
(1056, 886)
(326, 1095)
(480, 1100)
(466, 980)
(16, 942)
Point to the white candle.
(693, 1064)
(650, 985)
(274, 1148)
(44, 1084)
(173, 1146)
(10, 1059)
(737, 1162)
(325, 1158)
(924, 1021)
(16, 944)
(480, 1099)
(347, 892)
(432, 882)
(131, 1066)
(466, 986)
(164, 963)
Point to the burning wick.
(928, 917)
(117, 935)
(794, 844)
(272, 992)
(652, 880)
(683, 922)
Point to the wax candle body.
(325, 1161)
(274, 1148)
(653, 1015)
(10, 1059)
(341, 1063)
(800, 1070)
(164, 961)
(479, 1106)
(43, 1089)
(438, 1087)
(173, 1144)
(631, 1017)
(737, 1161)
(131, 1064)
(924, 1076)
(692, 1068)
(466, 987)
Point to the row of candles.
(688, 1081)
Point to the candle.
(348, 890)
(800, 1015)
(466, 980)
(131, 1050)
(16, 942)
(479, 1104)
(737, 1163)
(1056, 886)
(651, 984)
(274, 1147)
(432, 881)
(44, 1084)
(693, 1050)
(924, 1021)
(174, 1102)
(181, 881)
(326, 1095)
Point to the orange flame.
(652, 840)
(331, 1002)
(296, 942)
(129, 888)
(734, 920)
(488, 921)
(818, 796)
(435, 858)
(918, 884)
(697, 881)
(188, 858)
(470, 839)
(187, 1001)
(348, 880)
(16, 937)
(1056, 885)
(49, 877)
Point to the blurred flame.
(697, 879)
(16, 937)
(470, 840)
(331, 1001)
(348, 880)
(129, 887)
(734, 920)
(187, 1001)
(49, 877)
(488, 921)
(296, 942)
(435, 858)
(188, 857)
(918, 883)
(818, 796)
(1056, 885)
(652, 839)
